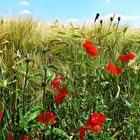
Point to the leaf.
(127, 103)
(37, 124)
(57, 131)
(117, 133)
(1, 73)
(52, 67)
(3, 83)
(34, 75)
(50, 78)
(29, 116)
(106, 35)
(21, 69)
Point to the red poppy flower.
(59, 95)
(131, 55)
(25, 137)
(57, 81)
(82, 133)
(127, 57)
(10, 136)
(113, 69)
(123, 58)
(90, 48)
(0, 115)
(93, 123)
(47, 118)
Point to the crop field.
(74, 82)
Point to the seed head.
(111, 19)
(119, 18)
(97, 16)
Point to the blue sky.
(73, 10)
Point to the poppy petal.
(59, 95)
(123, 58)
(113, 69)
(131, 55)
(48, 118)
(127, 57)
(0, 115)
(25, 137)
(9, 136)
(91, 127)
(82, 133)
(57, 81)
(98, 117)
(90, 48)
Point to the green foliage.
(57, 49)
(57, 132)
(29, 116)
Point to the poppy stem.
(44, 89)
(24, 88)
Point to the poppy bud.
(50, 58)
(27, 57)
(119, 18)
(97, 16)
(18, 54)
(111, 19)
(15, 76)
(101, 21)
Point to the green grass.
(118, 97)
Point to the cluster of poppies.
(60, 93)
(11, 137)
(48, 118)
(92, 51)
(95, 120)
(93, 124)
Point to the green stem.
(24, 88)
(44, 89)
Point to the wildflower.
(10, 136)
(82, 133)
(94, 123)
(113, 69)
(123, 58)
(59, 95)
(48, 118)
(0, 115)
(90, 48)
(127, 57)
(25, 137)
(131, 55)
(57, 81)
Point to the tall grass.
(57, 49)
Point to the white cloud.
(72, 20)
(25, 12)
(123, 17)
(25, 3)
(108, 1)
